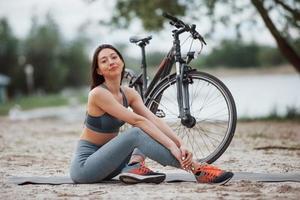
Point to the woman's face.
(110, 64)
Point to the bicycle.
(197, 105)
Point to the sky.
(70, 14)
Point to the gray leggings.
(92, 163)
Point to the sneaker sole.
(129, 178)
(225, 181)
(221, 183)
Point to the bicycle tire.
(160, 103)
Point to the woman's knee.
(75, 174)
(137, 130)
(84, 176)
(135, 133)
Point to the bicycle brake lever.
(167, 15)
(202, 39)
(197, 35)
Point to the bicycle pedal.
(160, 113)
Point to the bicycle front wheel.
(213, 107)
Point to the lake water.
(255, 96)
(258, 96)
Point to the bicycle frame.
(182, 69)
(164, 70)
(140, 82)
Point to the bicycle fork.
(182, 82)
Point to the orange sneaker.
(139, 173)
(206, 173)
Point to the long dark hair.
(98, 79)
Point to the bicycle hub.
(188, 121)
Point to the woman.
(102, 153)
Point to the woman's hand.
(186, 157)
(176, 152)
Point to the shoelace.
(143, 169)
(209, 172)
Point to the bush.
(236, 53)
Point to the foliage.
(218, 11)
(76, 62)
(236, 53)
(148, 11)
(9, 49)
(56, 62)
(154, 58)
(281, 18)
(268, 56)
(233, 54)
(42, 49)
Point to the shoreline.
(232, 72)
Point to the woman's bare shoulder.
(97, 92)
(129, 89)
(130, 92)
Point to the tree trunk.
(285, 48)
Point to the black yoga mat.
(171, 177)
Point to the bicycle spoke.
(215, 121)
(194, 139)
(205, 130)
(216, 113)
(188, 135)
(205, 133)
(206, 101)
(195, 97)
(183, 133)
(209, 106)
(204, 143)
(164, 107)
(209, 140)
(179, 132)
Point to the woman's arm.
(103, 99)
(139, 107)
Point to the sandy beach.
(44, 147)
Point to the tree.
(282, 42)
(237, 53)
(9, 47)
(76, 62)
(284, 22)
(233, 53)
(43, 49)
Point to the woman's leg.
(82, 170)
(137, 156)
(103, 162)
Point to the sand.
(43, 147)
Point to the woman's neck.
(113, 86)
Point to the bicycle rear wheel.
(213, 107)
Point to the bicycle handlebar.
(180, 24)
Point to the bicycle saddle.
(137, 39)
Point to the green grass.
(38, 101)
